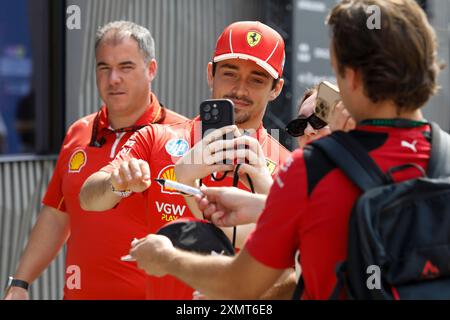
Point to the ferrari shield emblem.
(253, 38)
(271, 165)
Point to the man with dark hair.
(125, 69)
(385, 76)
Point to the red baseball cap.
(254, 41)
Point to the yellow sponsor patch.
(77, 161)
(168, 173)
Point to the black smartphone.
(215, 114)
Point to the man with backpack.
(385, 76)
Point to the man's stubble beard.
(241, 117)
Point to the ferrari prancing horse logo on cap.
(253, 38)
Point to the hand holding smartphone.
(327, 98)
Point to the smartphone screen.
(327, 98)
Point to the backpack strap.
(348, 154)
(299, 288)
(439, 164)
(341, 270)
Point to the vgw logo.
(169, 211)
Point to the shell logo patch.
(271, 165)
(253, 38)
(168, 173)
(77, 161)
(177, 147)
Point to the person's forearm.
(96, 193)
(46, 239)
(283, 289)
(213, 270)
(222, 277)
(215, 276)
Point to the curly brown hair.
(398, 61)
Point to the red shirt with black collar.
(98, 239)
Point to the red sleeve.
(275, 238)
(54, 195)
(139, 146)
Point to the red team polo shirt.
(161, 147)
(98, 239)
(310, 202)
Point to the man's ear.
(209, 75)
(353, 77)
(277, 90)
(152, 69)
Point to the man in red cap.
(255, 41)
(252, 45)
(247, 67)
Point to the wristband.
(17, 283)
(121, 193)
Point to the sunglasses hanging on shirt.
(98, 139)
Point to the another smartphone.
(327, 98)
(215, 114)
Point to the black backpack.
(399, 233)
